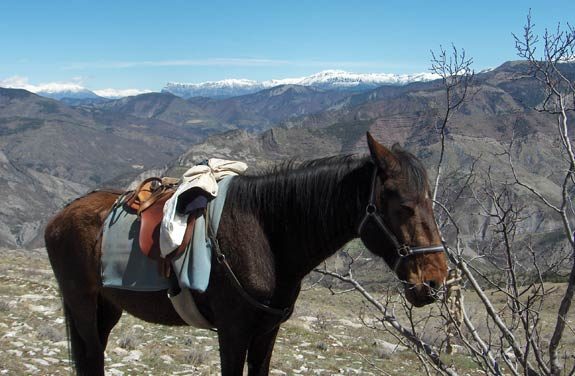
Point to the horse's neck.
(317, 218)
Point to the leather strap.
(133, 197)
(155, 197)
(221, 258)
(403, 250)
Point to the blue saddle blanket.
(124, 266)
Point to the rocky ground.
(324, 337)
(316, 341)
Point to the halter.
(403, 250)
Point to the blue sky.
(144, 44)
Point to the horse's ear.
(382, 156)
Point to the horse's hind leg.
(108, 317)
(72, 242)
(85, 339)
(90, 321)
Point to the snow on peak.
(60, 90)
(224, 88)
(55, 90)
(58, 87)
(120, 93)
(328, 80)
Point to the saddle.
(149, 191)
(148, 201)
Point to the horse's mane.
(316, 195)
(412, 170)
(312, 181)
(298, 196)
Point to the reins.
(403, 250)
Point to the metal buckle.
(370, 209)
(404, 250)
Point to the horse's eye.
(408, 208)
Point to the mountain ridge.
(326, 80)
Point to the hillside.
(50, 153)
(501, 109)
(102, 143)
(254, 112)
(92, 144)
(29, 199)
(87, 147)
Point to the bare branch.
(564, 308)
(457, 77)
(392, 320)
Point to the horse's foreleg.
(260, 353)
(233, 348)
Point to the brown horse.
(275, 228)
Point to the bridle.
(403, 250)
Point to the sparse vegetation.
(129, 340)
(51, 333)
(196, 357)
(4, 306)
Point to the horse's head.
(399, 224)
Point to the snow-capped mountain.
(78, 92)
(211, 89)
(326, 80)
(54, 90)
(67, 91)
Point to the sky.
(141, 45)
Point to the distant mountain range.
(52, 151)
(72, 96)
(338, 80)
(325, 80)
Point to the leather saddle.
(148, 201)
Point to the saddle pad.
(124, 266)
(193, 266)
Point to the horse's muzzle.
(421, 294)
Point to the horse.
(275, 228)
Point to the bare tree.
(456, 74)
(558, 47)
(501, 268)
